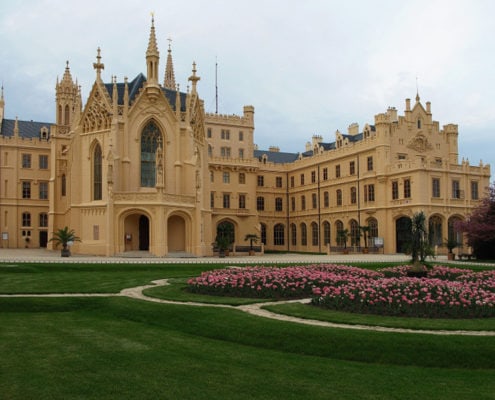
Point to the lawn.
(115, 347)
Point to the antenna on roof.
(216, 85)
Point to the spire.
(152, 55)
(67, 78)
(417, 91)
(2, 110)
(98, 65)
(169, 81)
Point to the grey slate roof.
(276, 157)
(27, 129)
(136, 84)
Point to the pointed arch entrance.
(136, 232)
(176, 228)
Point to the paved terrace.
(53, 256)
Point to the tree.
(480, 227)
(253, 238)
(420, 248)
(64, 236)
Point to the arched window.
(67, 115)
(353, 195)
(97, 173)
(263, 234)
(339, 197)
(339, 227)
(210, 151)
(278, 235)
(304, 234)
(326, 233)
(314, 234)
(150, 138)
(419, 123)
(354, 232)
(63, 185)
(59, 115)
(293, 234)
(435, 231)
(326, 200)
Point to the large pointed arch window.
(97, 173)
(150, 139)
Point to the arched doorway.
(402, 234)
(176, 238)
(144, 233)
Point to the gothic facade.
(140, 166)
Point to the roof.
(136, 84)
(27, 129)
(276, 157)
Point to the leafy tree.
(480, 227)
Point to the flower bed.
(444, 293)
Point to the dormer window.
(44, 133)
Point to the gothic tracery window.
(150, 139)
(97, 173)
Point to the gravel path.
(254, 309)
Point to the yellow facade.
(141, 167)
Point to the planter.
(366, 250)
(65, 253)
(345, 251)
(251, 252)
(450, 256)
(221, 253)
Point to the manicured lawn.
(120, 348)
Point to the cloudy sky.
(309, 67)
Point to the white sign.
(378, 241)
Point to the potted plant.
(253, 238)
(65, 236)
(451, 244)
(365, 229)
(419, 245)
(223, 243)
(342, 236)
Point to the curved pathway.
(254, 309)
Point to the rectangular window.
(43, 190)
(352, 168)
(260, 203)
(314, 200)
(313, 176)
(370, 163)
(226, 177)
(353, 195)
(278, 181)
(208, 133)
(212, 176)
(303, 203)
(326, 200)
(225, 134)
(241, 136)
(302, 179)
(26, 219)
(43, 161)
(407, 188)
(435, 187)
(212, 199)
(339, 197)
(261, 180)
(474, 190)
(291, 181)
(369, 192)
(26, 161)
(225, 152)
(43, 222)
(293, 203)
(395, 190)
(456, 190)
(242, 201)
(241, 153)
(26, 190)
(242, 178)
(278, 204)
(325, 174)
(337, 171)
(226, 200)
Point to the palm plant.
(64, 236)
(253, 238)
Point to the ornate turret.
(169, 81)
(152, 56)
(67, 97)
(194, 78)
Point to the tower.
(152, 57)
(67, 101)
(169, 81)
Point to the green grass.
(115, 347)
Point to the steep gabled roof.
(136, 84)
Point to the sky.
(308, 67)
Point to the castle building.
(140, 166)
